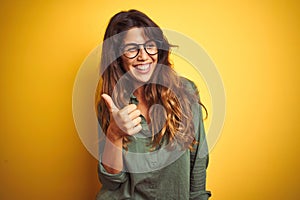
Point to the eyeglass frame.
(157, 42)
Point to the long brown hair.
(176, 125)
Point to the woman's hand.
(122, 122)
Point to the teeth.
(143, 67)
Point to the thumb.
(109, 103)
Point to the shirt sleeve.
(111, 181)
(199, 158)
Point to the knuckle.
(137, 113)
(128, 126)
(133, 106)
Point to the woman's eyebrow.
(137, 43)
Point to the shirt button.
(153, 163)
(153, 186)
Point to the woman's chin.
(142, 79)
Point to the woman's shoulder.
(188, 84)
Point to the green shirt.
(161, 174)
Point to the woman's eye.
(151, 45)
(131, 49)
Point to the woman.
(155, 145)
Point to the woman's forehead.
(135, 35)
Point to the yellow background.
(254, 44)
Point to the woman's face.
(142, 66)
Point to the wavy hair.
(175, 123)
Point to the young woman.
(154, 146)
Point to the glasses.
(131, 50)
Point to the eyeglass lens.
(132, 50)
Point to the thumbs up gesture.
(125, 121)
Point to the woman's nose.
(142, 54)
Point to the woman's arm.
(199, 162)
(122, 122)
(112, 158)
(109, 168)
(199, 156)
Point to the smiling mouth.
(143, 68)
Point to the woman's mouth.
(144, 68)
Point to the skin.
(136, 35)
(126, 121)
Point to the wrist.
(113, 136)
